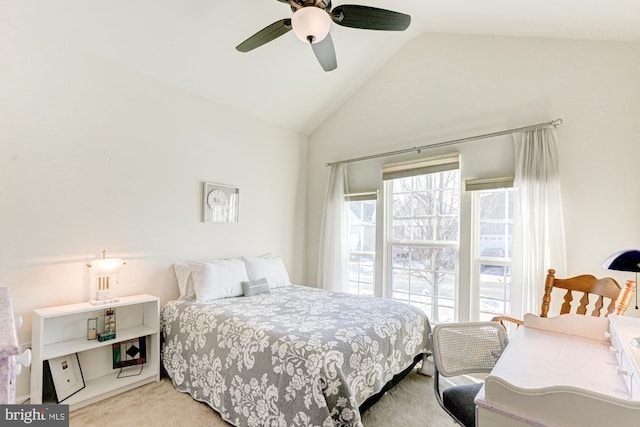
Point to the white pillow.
(185, 278)
(219, 279)
(272, 268)
(185, 281)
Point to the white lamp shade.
(311, 22)
(106, 266)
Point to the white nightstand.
(62, 330)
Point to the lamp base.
(104, 301)
(104, 297)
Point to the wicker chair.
(459, 349)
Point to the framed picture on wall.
(66, 375)
(220, 203)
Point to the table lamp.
(627, 260)
(103, 269)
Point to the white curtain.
(332, 259)
(538, 234)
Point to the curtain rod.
(556, 122)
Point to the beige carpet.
(410, 404)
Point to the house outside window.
(361, 229)
(492, 205)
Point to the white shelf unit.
(62, 330)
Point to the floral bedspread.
(298, 356)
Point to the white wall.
(96, 157)
(441, 87)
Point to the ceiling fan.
(311, 22)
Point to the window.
(421, 239)
(361, 226)
(493, 228)
(423, 209)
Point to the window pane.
(368, 238)
(496, 218)
(446, 259)
(369, 211)
(361, 226)
(447, 286)
(448, 202)
(418, 287)
(493, 255)
(492, 204)
(419, 229)
(400, 280)
(424, 236)
(448, 228)
(421, 259)
(510, 204)
(402, 205)
(401, 185)
(361, 274)
(400, 256)
(446, 314)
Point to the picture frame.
(92, 328)
(66, 375)
(129, 353)
(220, 203)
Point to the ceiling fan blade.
(325, 53)
(265, 35)
(370, 18)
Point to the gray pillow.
(256, 287)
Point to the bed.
(292, 355)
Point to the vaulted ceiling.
(190, 44)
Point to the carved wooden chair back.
(585, 285)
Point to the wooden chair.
(586, 284)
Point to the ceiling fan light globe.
(311, 24)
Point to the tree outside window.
(425, 211)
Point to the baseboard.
(20, 400)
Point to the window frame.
(474, 188)
(361, 197)
(443, 163)
(467, 261)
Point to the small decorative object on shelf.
(109, 332)
(92, 328)
(129, 353)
